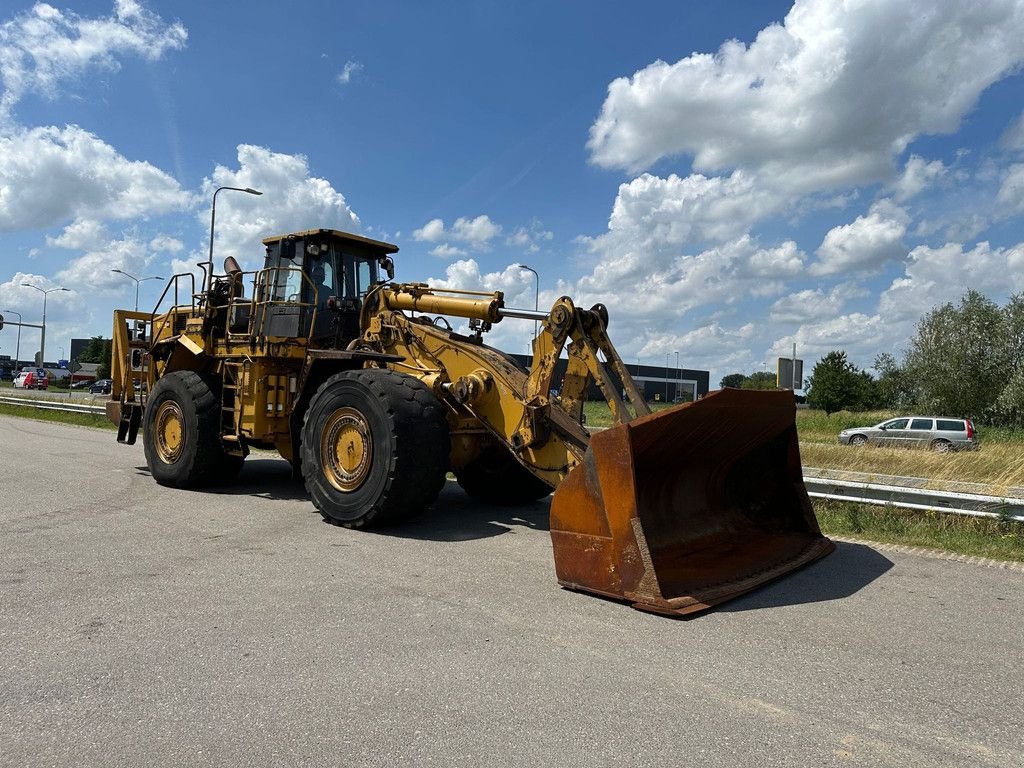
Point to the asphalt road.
(146, 626)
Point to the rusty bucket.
(688, 507)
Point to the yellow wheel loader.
(368, 390)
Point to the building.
(657, 383)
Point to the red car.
(32, 378)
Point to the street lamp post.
(679, 378)
(137, 281)
(213, 216)
(42, 335)
(536, 295)
(17, 352)
(666, 377)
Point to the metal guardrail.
(972, 504)
(55, 405)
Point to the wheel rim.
(858, 441)
(346, 449)
(170, 432)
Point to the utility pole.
(17, 352)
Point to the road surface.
(149, 626)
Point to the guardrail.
(972, 504)
(55, 405)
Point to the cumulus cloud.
(918, 174)
(1011, 191)
(445, 251)
(52, 175)
(44, 46)
(825, 99)
(292, 200)
(529, 239)
(865, 244)
(93, 271)
(813, 304)
(937, 275)
(475, 233)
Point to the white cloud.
(865, 244)
(528, 239)
(918, 175)
(826, 99)
(857, 333)
(476, 234)
(43, 47)
(51, 175)
(445, 251)
(166, 244)
(81, 234)
(1013, 136)
(936, 275)
(813, 305)
(350, 69)
(1011, 191)
(432, 231)
(292, 201)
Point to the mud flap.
(688, 507)
(129, 422)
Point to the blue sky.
(729, 178)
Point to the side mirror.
(389, 267)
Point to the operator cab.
(322, 276)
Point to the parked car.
(83, 384)
(100, 387)
(32, 378)
(937, 433)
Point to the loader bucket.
(688, 507)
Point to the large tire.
(495, 477)
(375, 448)
(181, 433)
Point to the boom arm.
(544, 434)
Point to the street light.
(666, 376)
(536, 294)
(17, 353)
(42, 336)
(679, 378)
(213, 216)
(137, 281)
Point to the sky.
(728, 178)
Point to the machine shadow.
(457, 517)
(264, 478)
(839, 575)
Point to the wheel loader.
(365, 386)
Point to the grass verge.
(58, 417)
(981, 537)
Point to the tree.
(961, 358)
(893, 387)
(760, 380)
(98, 350)
(734, 380)
(836, 383)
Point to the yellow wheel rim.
(346, 449)
(170, 432)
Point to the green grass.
(982, 537)
(57, 417)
